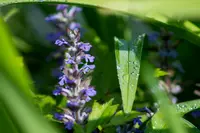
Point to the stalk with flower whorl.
(74, 83)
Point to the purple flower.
(64, 80)
(57, 91)
(137, 120)
(61, 7)
(58, 116)
(87, 99)
(89, 58)
(89, 92)
(70, 61)
(85, 46)
(73, 105)
(73, 11)
(61, 42)
(69, 125)
(145, 109)
(74, 26)
(86, 68)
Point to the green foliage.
(128, 58)
(166, 109)
(121, 118)
(44, 103)
(157, 124)
(100, 115)
(186, 107)
(14, 90)
(159, 73)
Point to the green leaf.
(100, 115)
(160, 73)
(78, 129)
(186, 107)
(191, 128)
(167, 112)
(121, 118)
(13, 70)
(134, 7)
(15, 91)
(45, 103)
(128, 58)
(157, 124)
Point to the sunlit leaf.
(128, 58)
(100, 115)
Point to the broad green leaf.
(128, 58)
(78, 129)
(167, 111)
(121, 118)
(9, 64)
(160, 15)
(6, 123)
(15, 89)
(134, 7)
(186, 107)
(21, 112)
(100, 115)
(157, 124)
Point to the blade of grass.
(169, 113)
(15, 91)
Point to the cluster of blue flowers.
(165, 47)
(74, 83)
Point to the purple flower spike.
(69, 125)
(57, 91)
(61, 42)
(89, 58)
(58, 116)
(85, 46)
(61, 7)
(74, 26)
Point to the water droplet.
(125, 77)
(118, 67)
(132, 72)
